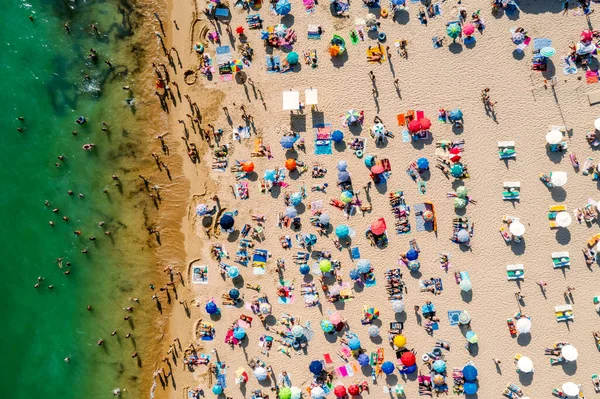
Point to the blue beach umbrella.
(342, 231)
(304, 269)
(310, 239)
(412, 254)
(354, 274)
(283, 7)
(292, 58)
(270, 175)
(370, 161)
(233, 271)
(239, 333)
(337, 136)
(217, 389)
(439, 366)
(326, 326)
(363, 266)
(344, 176)
(324, 219)
(363, 359)
(423, 163)
(398, 2)
(455, 114)
(234, 293)
(211, 308)
(290, 212)
(315, 367)
(342, 165)
(296, 199)
(470, 388)
(354, 344)
(226, 222)
(264, 35)
(388, 367)
(288, 142)
(469, 373)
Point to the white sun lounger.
(563, 312)
(561, 259)
(515, 272)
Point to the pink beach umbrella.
(468, 29)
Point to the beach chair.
(561, 260)
(506, 150)
(563, 313)
(515, 272)
(512, 191)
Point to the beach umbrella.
(471, 337)
(570, 389)
(371, 313)
(335, 318)
(377, 169)
(569, 352)
(428, 216)
(285, 393)
(460, 203)
(316, 367)
(559, 179)
(370, 19)
(226, 222)
(340, 391)
(297, 331)
(288, 142)
(296, 199)
(324, 219)
(453, 30)
(337, 136)
(586, 36)
(290, 212)
(597, 124)
(280, 30)
(344, 176)
(325, 266)
(398, 2)
(201, 209)
(370, 160)
(463, 236)
(469, 373)
(265, 308)
(241, 376)
(233, 271)
(422, 163)
(468, 29)
(455, 114)
(290, 164)
(425, 123)
(292, 58)
(283, 7)
(414, 126)
(398, 306)
(264, 34)
(378, 227)
(455, 157)
(326, 326)
(554, 136)
(342, 231)
(342, 165)
(354, 344)
(335, 290)
(335, 50)
(464, 318)
(373, 331)
(518, 38)
(352, 116)
(354, 274)
(438, 380)
(408, 359)
(363, 359)
(457, 170)
(237, 65)
(399, 340)
(317, 393)
(378, 129)
(363, 265)
(517, 229)
(270, 175)
(248, 167)
(412, 254)
(296, 393)
(304, 269)
(211, 308)
(260, 373)
(547, 51)
(239, 30)
(465, 285)
(470, 388)
(239, 333)
(462, 192)
(310, 239)
(439, 366)
(234, 293)
(585, 48)
(354, 389)
(217, 389)
(523, 325)
(525, 364)
(388, 367)
(563, 219)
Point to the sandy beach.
(429, 79)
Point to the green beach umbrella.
(460, 203)
(352, 116)
(547, 51)
(462, 192)
(325, 266)
(453, 30)
(285, 393)
(292, 58)
(457, 170)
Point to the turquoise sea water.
(42, 73)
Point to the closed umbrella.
(296, 199)
(316, 367)
(226, 222)
(453, 30)
(525, 364)
(463, 236)
(340, 391)
(260, 373)
(363, 359)
(554, 136)
(457, 170)
(292, 58)
(317, 393)
(352, 116)
(439, 366)
(517, 229)
(324, 219)
(363, 265)
(414, 126)
(408, 359)
(470, 388)
(285, 393)
(337, 136)
(342, 231)
(378, 227)
(343, 176)
(559, 179)
(455, 114)
(523, 325)
(296, 393)
(399, 340)
(465, 285)
(342, 165)
(422, 163)
(326, 326)
(354, 344)
(297, 331)
(468, 29)
(233, 271)
(398, 306)
(239, 333)
(377, 169)
(373, 331)
(288, 142)
(569, 352)
(472, 337)
(470, 373)
(283, 7)
(570, 389)
(370, 19)
(388, 367)
(290, 212)
(464, 318)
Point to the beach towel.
(289, 298)
(421, 224)
(309, 6)
(355, 252)
(354, 38)
(323, 142)
(541, 42)
(313, 32)
(273, 64)
(591, 76)
(259, 261)
(453, 317)
(200, 274)
(373, 51)
(223, 55)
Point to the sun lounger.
(563, 312)
(515, 272)
(561, 259)
(506, 150)
(512, 191)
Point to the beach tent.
(291, 100)
(311, 96)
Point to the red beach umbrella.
(425, 123)
(414, 126)
(586, 36)
(239, 30)
(354, 389)
(455, 157)
(468, 29)
(455, 150)
(248, 167)
(290, 164)
(408, 359)
(340, 391)
(377, 169)
(378, 227)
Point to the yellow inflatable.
(384, 12)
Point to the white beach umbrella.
(317, 393)
(597, 124)
(559, 179)
(554, 136)
(370, 19)
(517, 229)
(464, 317)
(296, 393)
(465, 285)
(563, 219)
(525, 364)
(570, 353)
(570, 389)
(398, 306)
(260, 373)
(523, 325)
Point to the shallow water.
(43, 69)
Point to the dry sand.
(429, 79)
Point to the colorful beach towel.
(323, 142)
(200, 274)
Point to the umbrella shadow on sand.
(455, 47)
